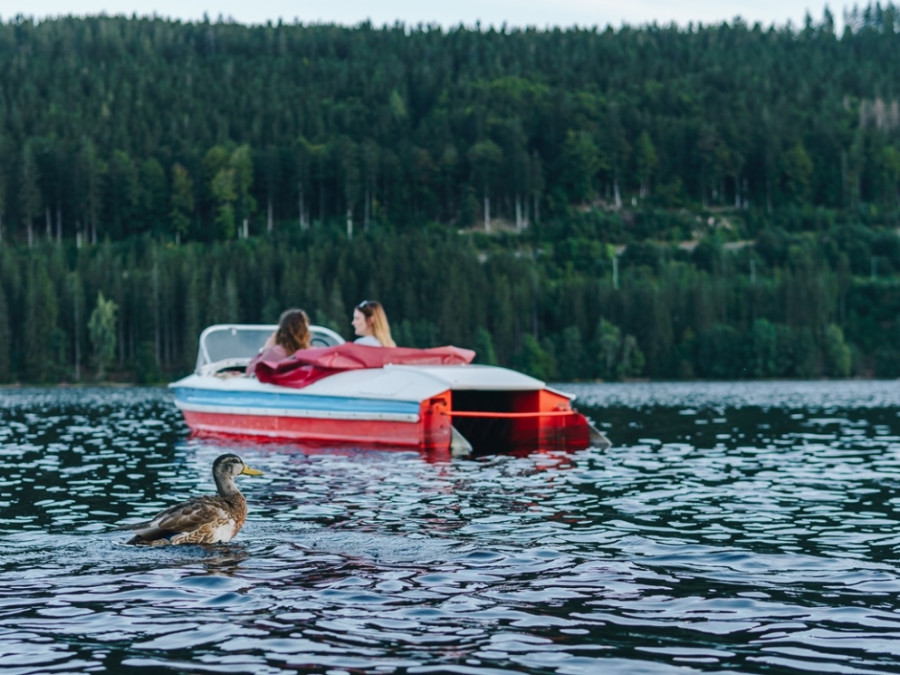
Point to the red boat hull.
(540, 419)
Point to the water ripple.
(733, 527)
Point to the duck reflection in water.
(202, 520)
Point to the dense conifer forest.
(705, 202)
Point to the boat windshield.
(233, 345)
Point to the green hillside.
(716, 202)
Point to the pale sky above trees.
(515, 13)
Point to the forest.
(704, 202)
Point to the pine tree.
(6, 374)
(103, 334)
(182, 207)
(40, 313)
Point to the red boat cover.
(308, 365)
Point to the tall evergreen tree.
(30, 203)
(5, 341)
(40, 325)
(103, 334)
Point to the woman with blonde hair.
(371, 325)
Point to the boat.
(343, 394)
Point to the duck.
(211, 519)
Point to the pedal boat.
(344, 394)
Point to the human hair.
(381, 329)
(293, 330)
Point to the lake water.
(731, 528)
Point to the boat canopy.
(310, 365)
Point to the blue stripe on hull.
(243, 400)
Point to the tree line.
(792, 304)
(710, 202)
(113, 127)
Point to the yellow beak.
(251, 472)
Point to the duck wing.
(210, 513)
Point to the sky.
(448, 13)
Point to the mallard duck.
(202, 520)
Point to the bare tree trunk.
(367, 210)
(121, 340)
(844, 178)
(300, 205)
(518, 213)
(169, 341)
(303, 208)
(48, 222)
(350, 222)
(157, 348)
(270, 221)
(58, 223)
(77, 342)
(616, 193)
(487, 213)
(30, 233)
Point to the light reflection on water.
(732, 527)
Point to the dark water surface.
(731, 528)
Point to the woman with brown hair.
(291, 335)
(293, 331)
(371, 325)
